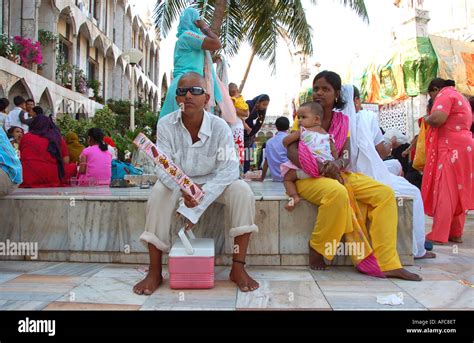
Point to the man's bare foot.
(149, 284)
(316, 260)
(292, 202)
(428, 255)
(239, 276)
(402, 274)
(455, 239)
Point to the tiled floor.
(448, 284)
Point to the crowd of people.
(35, 155)
(335, 157)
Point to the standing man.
(18, 115)
(275, 152)
(201, 144)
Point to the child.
(318, 141)
(242, 112)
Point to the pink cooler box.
(191, 262)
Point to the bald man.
(201, 144)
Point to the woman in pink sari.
(448, 187)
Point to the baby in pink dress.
(319, 142)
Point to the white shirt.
(211, 161)
(13, 119)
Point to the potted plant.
(95, 86)
(29, 51)
(64, 72)
(81, 81)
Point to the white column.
(74, 60)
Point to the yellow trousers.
(335, 215)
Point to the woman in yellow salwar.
(336, 218)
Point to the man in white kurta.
(201, 144)
(365, 136)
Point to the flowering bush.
(29, 51)
(81, 81)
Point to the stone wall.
(99, 229)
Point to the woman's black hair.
(356, 93)
(98, 136)
(440, 84)
(429, 107)
(263, 98)
(38, 110)
(12, 129)
(335, 81)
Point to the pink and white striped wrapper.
(163, 161)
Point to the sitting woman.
(44, 154)
(74, 147)
(337, 207)
(96, 161)
(15, 134)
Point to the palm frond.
(232, 34)
(165, 14)
(261, 29)
(359, 7)
(291, 16)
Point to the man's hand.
(189, 201)
(200, 24)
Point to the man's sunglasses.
(193, 90)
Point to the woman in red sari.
(44, 155)
(448, 187)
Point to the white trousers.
(163, 202)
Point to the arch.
(141, 81)
(46, 102)
(20, 88)
(2, 92)
(128, 12)
(100, 44)
(68, 16)
(86, 33)
(110, 53)
(135, 24)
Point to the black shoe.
(428, 245)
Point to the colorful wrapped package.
(163, 161)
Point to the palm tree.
(260, 23)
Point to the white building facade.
(90, 35)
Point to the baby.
(319, 142)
